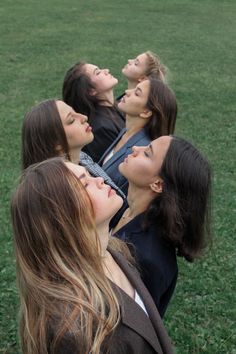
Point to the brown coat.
(138, 333)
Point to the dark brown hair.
(182, 210)
(162, 103)
(76, 90)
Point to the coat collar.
(149, 327)
(122, 151)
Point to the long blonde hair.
(64, 292)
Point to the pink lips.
(88, 129)
(111, 192)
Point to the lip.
(88, 129)
(111, 192)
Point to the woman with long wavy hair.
(169, 210)
(52, 128)
(78, 292)
(89, 90)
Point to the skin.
(105, 203)
(135, 69)
(141, 167)
(101, 78)
(104, 199)
(78, 131)
(133, 103)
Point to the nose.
(106, 71)
(135, 150)
(130, 61)
(100, 181)
(83, 118)
(127, 92)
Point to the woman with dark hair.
(168, 214)
(89, 90)
(78, 292)
(151, 111)
(52, 128)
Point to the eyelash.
(146, 154)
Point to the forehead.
(63, 108)
(160, 146)
(144, 85)
(142, 57)
(76, 169)
(89, 68)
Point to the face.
(135, 69)
(101, 78)
(134, 102)
(78, 131)
(142, 167)
(104, 199)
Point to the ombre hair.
(42, 134)
(64, 293)
(163, 105)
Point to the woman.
(52, 128)
(151, 111)
(77, 294)
(89, 90)
(144, 65)
(168, 197)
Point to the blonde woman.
(144, 65)
(79, 294)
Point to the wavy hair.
(183, 208)
(76, 90)
(162, 103)
(64, 292)
(42, 133)
(154, 67)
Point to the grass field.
(40, 40)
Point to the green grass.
(40, 40)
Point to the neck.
(138, 199)
(107, 98)
(132, 84)
(103, 233)
(134, 124)
(75, 155)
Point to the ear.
(93, 92)
(58, 148)
(146, 114)
(157, 186)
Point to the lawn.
(40, 40)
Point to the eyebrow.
(94, 71)
(151, 149)
(138, 89)
(68, 115)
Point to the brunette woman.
(168, 214)
(89, 90)
(77, 295)
(52, 128)
(151, 111)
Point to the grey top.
(95, 170)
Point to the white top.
(139, 301)
(111, 153)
